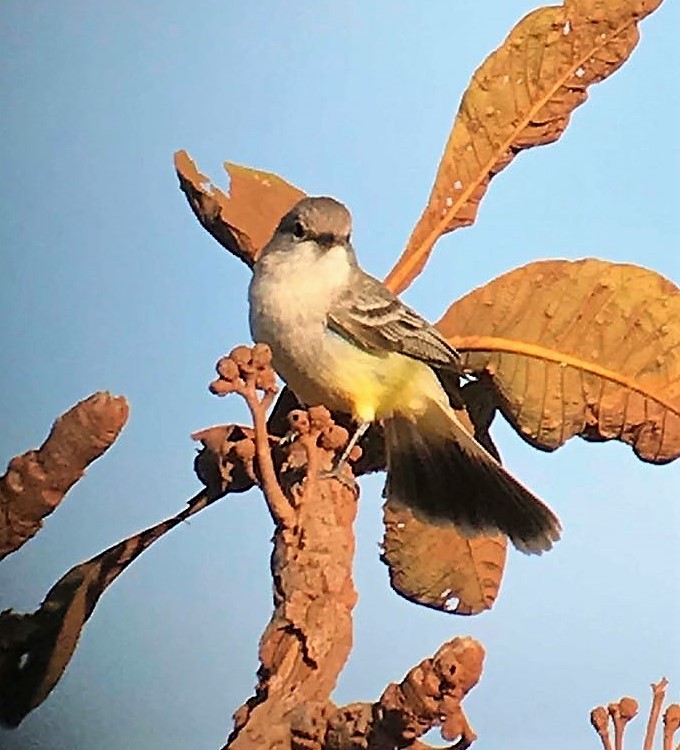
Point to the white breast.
(290, 295)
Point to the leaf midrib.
(440, 228)
(564, 359)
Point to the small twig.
(279, 507)
(316, 431)
(658, 693)
(619, 725)
(246, 371)
(671, 722)
(599, 718)
(621, 713)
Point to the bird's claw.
(288, 439)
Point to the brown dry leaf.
(35, 649)
(36, 482)
(439, 567)
(584, 347)
(243, 221)
(521, 96)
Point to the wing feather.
(376, 320)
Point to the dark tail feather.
(442, 473)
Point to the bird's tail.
(436, 468)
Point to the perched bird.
(340, 338)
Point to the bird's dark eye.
(298, 230)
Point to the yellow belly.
(344, 377)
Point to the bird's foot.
(347, 480)
(289, 438)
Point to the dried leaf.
(585, 348)
(36, 482)
(218, 464)
(35, 649)
(243, 221)
(439, 567)
(521, 96)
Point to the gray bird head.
(322, 220)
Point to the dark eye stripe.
(326, 239)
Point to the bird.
(339, 337)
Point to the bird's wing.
(374, 319)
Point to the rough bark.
(309, 637)
(37, 481)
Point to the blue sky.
(108, 282)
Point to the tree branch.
(309, 637)
(429, 696)
(599, 718)
(621, 713)
(658, 695)
(36, 482)
(671, 723)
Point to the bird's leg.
(289, 438)
(358, 434)
(336, 471)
